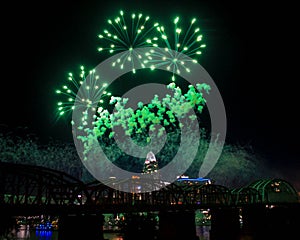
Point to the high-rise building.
(151, 164)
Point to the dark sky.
(252, 55)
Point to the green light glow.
(186, 45)
(159, 111)
(176, 20)
(131, 32)
(127, 34)
(69, 95)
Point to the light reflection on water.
(112, 236)
(203, 232)
(25, 234)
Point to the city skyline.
(248, 54)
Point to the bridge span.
(28, 190)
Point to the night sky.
(251, 54)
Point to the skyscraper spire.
(150, 165)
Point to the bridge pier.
(270, 222)
(7, 223)
(254, 222)
(140, 226)
(225, 224)
(89, 226)
(177, 225)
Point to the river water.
(25, 234)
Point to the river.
(25, 234)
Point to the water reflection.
(112, 236)
(203, 232)
(25, 233)
(44, 235)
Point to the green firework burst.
(127, 34)
(187, 47)
(87, 98)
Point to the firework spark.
(128, 34)
(161, 112)
(86, 99)
(187, 47)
